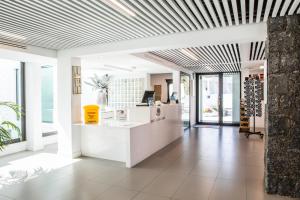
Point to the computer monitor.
(147, 94)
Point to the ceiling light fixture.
(261, 67)
(189, 54)
(115, 4)
(11, 35)
(209, 68)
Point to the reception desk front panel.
(133, 141)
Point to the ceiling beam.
(233, 34)
(156, 59)
(29, 54)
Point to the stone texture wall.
(282, 171)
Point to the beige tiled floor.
(207, 163)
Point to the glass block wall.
(126, 92)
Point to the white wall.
(33, 83)
(160, 79)
(68, 107)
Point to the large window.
(47, 94)
(11, 89)
(48, 127)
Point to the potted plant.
(101, 85)
(6, 125)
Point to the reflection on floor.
(207, 163)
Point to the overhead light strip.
(189, 54)
(12, 35)
(115, 4)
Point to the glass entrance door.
(209, 98)
(218, 98)
(231, 98)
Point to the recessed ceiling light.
(261, 67)
(11, 35)
(189, 54)
(115, 4)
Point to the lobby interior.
(172, 84)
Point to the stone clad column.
(282, 169)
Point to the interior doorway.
(218, 98)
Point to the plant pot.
(102, 100)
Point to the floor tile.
(165, 185)
(194, 188)
(117, 193)
(143, 196)
(254, 172)
(208, 162)
(137, 179)
(85, 190)
(154, 163)
(206, 168)
(228, 189)
(6, 198)
(231, 171)
(180, 167)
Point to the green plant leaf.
(13, 106)
(11, 125)
(6, 125)
(4, 137)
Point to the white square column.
(68, 108)
(33, 99)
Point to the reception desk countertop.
(114, 124)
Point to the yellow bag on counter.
(91, 114)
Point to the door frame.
(220, 122)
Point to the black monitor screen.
(147, 94)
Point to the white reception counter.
(148, 130)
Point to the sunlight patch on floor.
(24, 169)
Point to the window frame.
(20, 80)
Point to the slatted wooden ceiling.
(60, 24)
